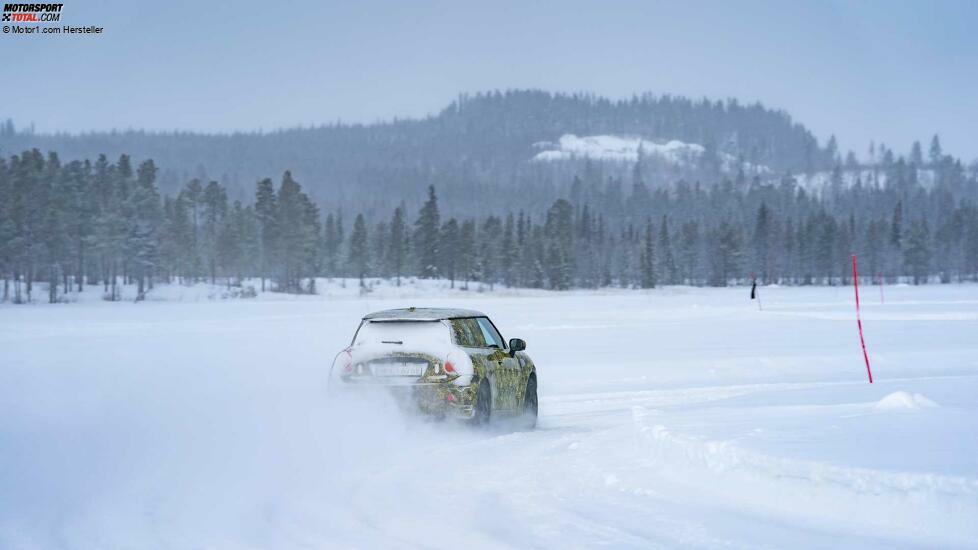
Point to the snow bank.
(161, 292)
(250, 289)
(863, 499)
(904, 400)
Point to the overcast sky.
(885, 70)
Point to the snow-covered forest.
(760, 199)
(105, 223)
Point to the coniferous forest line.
(93, 225)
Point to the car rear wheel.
(482, 413)
(530, 404)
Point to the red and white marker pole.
(859, 321)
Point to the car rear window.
(467, 333)
(402, 333)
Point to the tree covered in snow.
(426, 236)
(84, 223)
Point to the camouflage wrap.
(438, 392)
(526, 370)
(507, 377)
(507, 380)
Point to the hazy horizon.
(881, 71)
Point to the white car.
(443, 362)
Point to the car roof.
(422, 314)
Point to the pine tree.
(426, 236)
(53, 231)
(875, 244)
(142, 239)
(559, 232)
(83, 206)
(916, 154)
(192, 198)
(790, 261)
(896, 233)
(762, 241)
(265, 210)
(555, 267)
(535, 254)
(647, 258)
(229, 249)
(311, 242)
(490, 251)
(824, 231)
(359, 252)
(916, 253)
(7, 228)
(397, 246)
(669, 271)
(292, 236)
(725, 253)
(215, 207)
(641, 200)
(380, 251)
(114, 182)
(248, 230)
(466, 256)
(935, 153)
(332, 244)
(449, 255)
(832, 150)
(689, 245)
(509, 251)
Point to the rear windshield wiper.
(399, 342)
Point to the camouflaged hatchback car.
(448, 363)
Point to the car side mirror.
(515, 345)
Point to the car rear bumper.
(437, 399)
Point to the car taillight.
(449, 367)
(347, 360)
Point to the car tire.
(531, 405)
(482, 408)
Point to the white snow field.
(677, 417)
(617, 148)
(628, 149)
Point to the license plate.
(397, 369)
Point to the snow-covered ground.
(617, 148)
(629, 149)
(672, 418)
